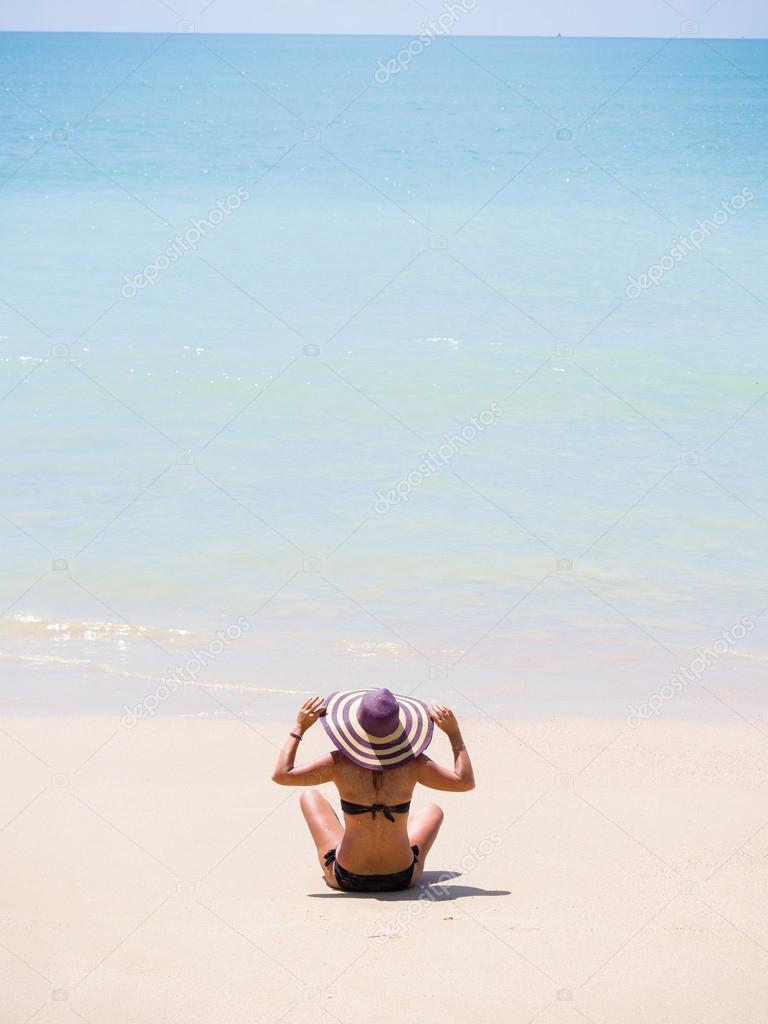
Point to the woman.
(379, 757)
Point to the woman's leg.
(325, 827)
(423, 827)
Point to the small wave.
(367, 649)
(20, 359)
(88, 664)
(100, 667)
(243, 688)
(439, 340)
(31, 627)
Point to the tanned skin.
(366, 845)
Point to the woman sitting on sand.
(380, 741)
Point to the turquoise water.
(220, 432)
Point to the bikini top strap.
(387, 811)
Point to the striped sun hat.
(375, 729)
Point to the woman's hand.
(444, 719)
(285, 772)
(432, 774)
(309, 712)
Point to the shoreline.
(206, 703)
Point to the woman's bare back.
(372, 844)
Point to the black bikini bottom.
(350, 882)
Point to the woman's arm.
(321, 770)
(461, 778)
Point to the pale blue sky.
(709, 18)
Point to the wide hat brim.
(411, 737)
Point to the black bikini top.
(349, 808)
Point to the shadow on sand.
(434, 886)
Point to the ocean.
(327, 363)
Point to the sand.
(598, 874)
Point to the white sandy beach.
(157, 874)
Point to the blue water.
(400, 257)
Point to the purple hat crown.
(375, 729)
(379, 712)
